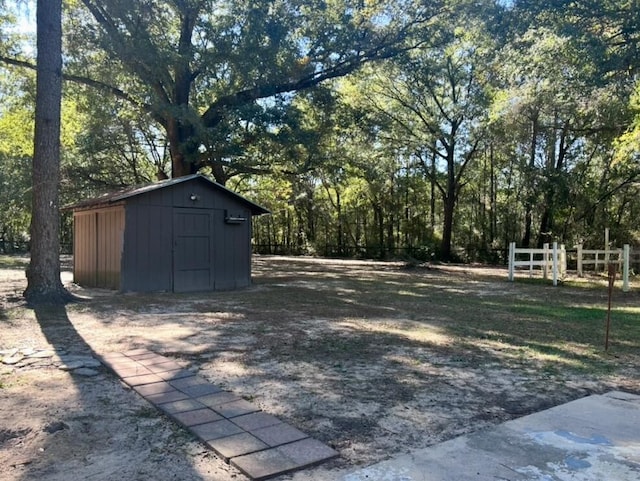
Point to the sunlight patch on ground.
(414, 331)
(560, 357)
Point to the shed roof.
(123, 194)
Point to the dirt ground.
(374, 359)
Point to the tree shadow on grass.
(59, 330)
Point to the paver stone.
(279, 434)
(236, 445)
(307, 451)
(180, 406)
(166, 397)
(264, 464)
(250, 422)
(155, 388)
(216, 430)
(199, 416)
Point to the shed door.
(192, 252)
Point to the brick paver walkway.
(258, 444)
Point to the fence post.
(580, 259)
(512, 259)
(563, 261)
(625, 268)
(555, 263)
(545, 261)
(530, 263)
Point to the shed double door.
(192, 250)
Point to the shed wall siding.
(84, 248)
(147, 261)
(98, 241)
(233, 249)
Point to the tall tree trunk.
(493, 222)
(341, 249)
(43, 274)
(555, 167)
(447, 228)
(449, 199)
(432, 199)
(528, 216)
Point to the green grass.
(547, 329)
(13, 261)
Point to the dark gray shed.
(181, 235)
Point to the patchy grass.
(13, 261)
(374, 358)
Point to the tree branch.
(84, 81)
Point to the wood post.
(625, 268)
(580, 259)
(512, 259)
(555, 263)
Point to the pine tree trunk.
(43, 274)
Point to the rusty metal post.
(612, 280)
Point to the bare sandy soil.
(368, 357)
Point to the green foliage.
(505, 121)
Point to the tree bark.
(528, 216)
(447, 228)
(43, 273)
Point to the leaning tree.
(200, 68)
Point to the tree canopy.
(430, 129)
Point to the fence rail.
(598, 257)
(554, 259)
(621, 257)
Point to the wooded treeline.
(437, 130)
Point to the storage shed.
(182, 235)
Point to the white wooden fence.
(604, 257)
(552, 259)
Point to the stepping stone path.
(78, 364)
(258, 444)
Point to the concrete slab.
(591, 439)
